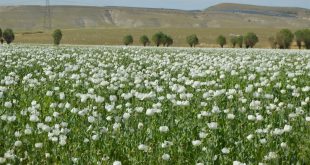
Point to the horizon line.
(141, 7)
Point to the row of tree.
(7, 35)
(159, 38)
(284, 39)
(250, 39)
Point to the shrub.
(192, 40)
(8, 36)
(250, 40)
(284, 38)
(127, 40)
(57, 36)
(221, 40)
(144, 40)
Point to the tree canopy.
(250, 40)
(192, 40)
(57, 36)
(162, 38)
(284, 38)
(144, 40)
(221, 40)
(8, 36)
(127, 40)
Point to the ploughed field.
(117, 105)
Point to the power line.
(47, 16)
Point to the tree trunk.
(299, 44)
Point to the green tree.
(240, 41)
(273, 43)
(234, 40)
(57, 36)
(164, 39)
(144, 40)
(157, 38)
(221, 40)
(250, 40)
(306, 38)
(169, 40)
(284, 38)
(127, 40)
(192, 40)
(1, 39)
(8, 36)
(299, 37)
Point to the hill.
(260, 10)
(218, 16)
(242, 15)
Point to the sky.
(171, 4)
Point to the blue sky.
(173, 4)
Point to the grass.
(114, 36)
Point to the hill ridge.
(232, 15)
(251, 5)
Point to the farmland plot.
(114, 105)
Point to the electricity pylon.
(47, 15)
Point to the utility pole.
(47, 16)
